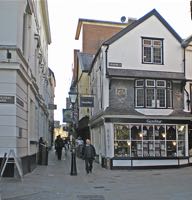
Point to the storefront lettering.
(154, 121)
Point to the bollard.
(73, 162)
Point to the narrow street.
(54, 182)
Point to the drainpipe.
(187, 93)
(184, 62)
(106, 61)
(188, 99)
(106, 51)
(28, 120)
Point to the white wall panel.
(7, 89)
(21, 122)
(128, 49)
(7, 120)
(7, 131)
(7, 76)
(121, 163)
(155, 162)
(7, 142)
(7, 109)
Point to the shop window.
(171, 149)
(136, 133)
(122, 148)
(181, 129)
(171, 133)
(136, 144)
(159, 132)
(121, 140)
(149, 140)
(148, 133)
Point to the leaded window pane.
(140, 97)
(139, 83)
(169, 98)
(161, 83)
(150, 97)
(157, 55)
(161, 98)
(147, 54)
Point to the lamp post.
(73, 97)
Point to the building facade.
(26, 83)
(142, 110)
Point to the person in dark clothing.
(88, 154)
(59, 146)
(41, 145)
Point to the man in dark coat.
(59, 146)
(88, 154)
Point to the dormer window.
(152, 51)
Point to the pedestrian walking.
(88, 154)
(59, 146)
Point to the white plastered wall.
(128, 49)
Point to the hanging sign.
(67, 115)
(86, 101)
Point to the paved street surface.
(54, 182)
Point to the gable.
(139, 22)
(127, 50)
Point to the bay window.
(149, 140)
(153, 93)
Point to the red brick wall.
(95, 35)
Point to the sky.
(64, 15)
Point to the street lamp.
(73, 98)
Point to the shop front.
(155, 143)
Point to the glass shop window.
(136, 132)
(121, 140)
(171, 141)
(181, 129)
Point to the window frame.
(155, 102)
(151, 49)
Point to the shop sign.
(7, 99)
(67, 115)
(153, 121)
(86, 101)
(148, 121)
(115, 64)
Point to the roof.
(130, 73)
(98, 22)
(138, 22)
(122, 114)
(85, 61)
(187, 41)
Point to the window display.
(143, 140)
(121, 142)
